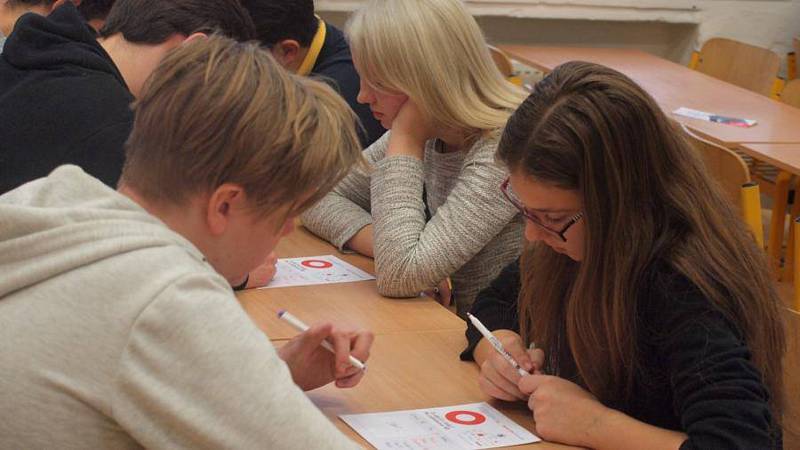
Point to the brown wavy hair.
(647, 200)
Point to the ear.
(194, 36)
(224, 205)
(58, 3)
(286, 52)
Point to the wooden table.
(416, 370)
(354, 304)
(414, 360)
(673, 86)
(783, 156)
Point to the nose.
(365, 94)
(534, 233)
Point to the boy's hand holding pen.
(321, 354)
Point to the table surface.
(346, 304)
(783, 156)
(416, 370)
(414, 360)
(673, 86)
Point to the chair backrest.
(724, 165)
(731, 173)
(502, 61)
(753, 68)
(791, 381)
(796, 46)
(791, 93)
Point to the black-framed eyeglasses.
(512, 197)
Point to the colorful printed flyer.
(472, 426)
(702, 115)
(312, 270)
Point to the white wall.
(671, 29)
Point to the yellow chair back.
(504, 65)
(753, 68)
(731, 173)
(791, 93)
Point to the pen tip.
(281, 313)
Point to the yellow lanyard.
(313, 50)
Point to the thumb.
(309, 340)
(520, 355)
(528, 385)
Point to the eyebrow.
(549, 210)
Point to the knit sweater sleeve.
(717, 391)
(346, 210)
(197, 373)
(412, 255)
(495, 307)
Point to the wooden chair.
(504, 65)
(791, 381)
(753, 68)
(791, 93)
(793, 64)
(729, 170)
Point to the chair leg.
(777, 223)
(788, 266)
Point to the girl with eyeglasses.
(428, 209)
(655, 320)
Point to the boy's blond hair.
(217, 111)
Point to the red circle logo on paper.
(316, 264)
(465, 417)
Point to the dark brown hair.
(647, 201)
(277, 20)
(154, 21)
(216, 111)
(95, 9)
(30, 2)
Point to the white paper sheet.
(711, 117)
(312, 270)
(471, 426)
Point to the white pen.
(496, 344)
(300, 326)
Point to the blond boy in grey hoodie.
(118, 328)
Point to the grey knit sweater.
(472, 234)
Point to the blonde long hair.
(434, 52)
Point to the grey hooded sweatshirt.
(116, 333)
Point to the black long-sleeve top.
(697, 377)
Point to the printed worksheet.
(311, 270)
(472, 426)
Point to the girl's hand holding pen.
(498, 378)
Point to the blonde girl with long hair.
(657, 323)
(429, 208)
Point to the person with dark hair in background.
(303, 43)
(95, 12)
(65, 96)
